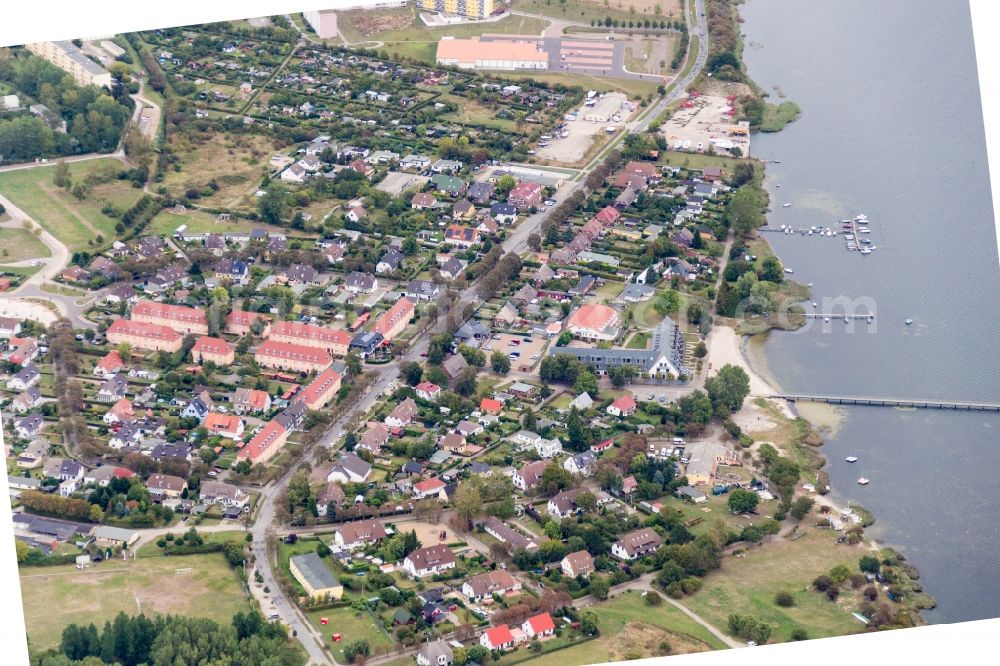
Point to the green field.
(56, 596)
(748, 585)
(72, 221)
(634, 88)
(202, 223)
(352, 625)
(584, 11)
(20, 245)
(625, 623)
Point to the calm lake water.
(892, 127)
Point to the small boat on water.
(860, 216)
(789, 271)
(810, 284)
(909, 321)
(851, 459)
(866, 250)
(863, 481)
(785, 205)
(847, 320)
(826, 319)
(814, 303)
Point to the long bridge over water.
(892, 402)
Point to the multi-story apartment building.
(331, 340)
(287, 356)
(470, 8)
(140, 335)
(178, 317)
(67, 57)
(394, 320)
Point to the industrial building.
(502, 54)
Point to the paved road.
(13, 301)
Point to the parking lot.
(397, 182)
(516, 344)
(590, 121)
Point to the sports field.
(56, 596)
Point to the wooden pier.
(893, 402)
(812, 315)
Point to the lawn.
(638, 341)
(76, 223)
(352, 625)
(20, 245)
(56, 596)
(697, 160)
(748, 585)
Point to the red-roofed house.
(286, 356)
(539, 626)
(427, 391)
(394, 320)
(247, 400)
(111, 364)
(497, 638)
(241, 322)
(456, 234)
(178, 317)
(120, 412)
(428, 488)
(594, 321)
(216, 350)
(622, 406)
(629, 485)
(229, 426)
(490, 406)
(608, 215)
(320, 390)
(525, 195)
(602, 446)
(265, 444)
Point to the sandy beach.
(725, 348)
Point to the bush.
(822, 583)
(799, 634)
(870, 593)
(839, 574)
(832, 593)
(652, 598)
(784, 599)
